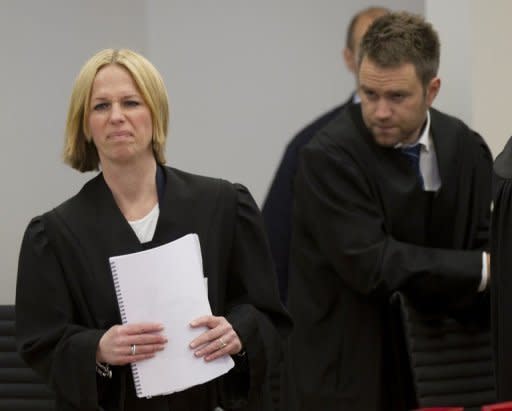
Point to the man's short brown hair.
(398, 38)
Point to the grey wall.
(243, 76)
(474, 68)
(491, 67)
(452, 22)
(44, 44)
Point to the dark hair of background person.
(368, 12)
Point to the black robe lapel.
(458, 170)
(185, 209)
(444, 201)
(96, 230)
(114, 234)
(175, 208)
(445, 148)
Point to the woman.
(68, 321)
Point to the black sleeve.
(341, 208)
(253, 305)
(48, 335)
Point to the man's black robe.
(364, 228)
(501, 271)
(65, 297)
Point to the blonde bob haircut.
(79, 149)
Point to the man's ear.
(432, 90)
(350, 60)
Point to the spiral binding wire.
(122, 311)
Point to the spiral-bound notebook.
(165, 284)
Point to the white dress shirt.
(145, 227)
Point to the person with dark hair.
(277, 207)
(68, 322)
(392, 195)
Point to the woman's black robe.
(65, 298)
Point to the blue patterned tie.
(413, 155)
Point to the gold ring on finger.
(222, 343)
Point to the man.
(369, 221)
(277, 209)
(501, 268)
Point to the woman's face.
(119, 119)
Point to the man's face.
(394, 102)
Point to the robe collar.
(446, 150)
(119, 238)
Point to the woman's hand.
(219, 340)
(124, 344)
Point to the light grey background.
(452, 22)
(243, 77)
